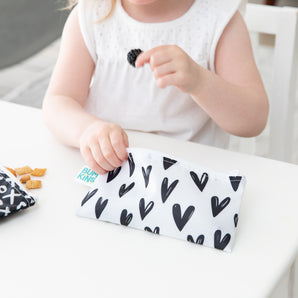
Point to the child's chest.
(114, 39)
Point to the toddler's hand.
(171, 66)
(103, 146)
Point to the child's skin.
(234, 97)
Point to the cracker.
(32, 184)
(23, 170)
(25, 178)
(11, 171)
(38, 172)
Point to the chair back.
(282, 22)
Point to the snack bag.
(13, 197)
(161, 194)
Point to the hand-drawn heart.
(200, 239)
(113, 174)
(167, 190)
(131, 164)
(200, 183)
(155, 231)
(89, 195)
(181, 221)
(218, 207)
(125, 218)
(167, 162)
(236, 220)
(144, 211)
(146, 174)
(221, 244)
(123, 189)
(235, 181)
(100, 206)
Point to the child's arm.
(103, 145)
(234, 97)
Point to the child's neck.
(157, 11)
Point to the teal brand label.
(87, 176)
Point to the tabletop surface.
(48, 251)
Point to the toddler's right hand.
(103, 146)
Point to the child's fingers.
(91, 162)
(119, 144)
(168, 80)
(144, 57)
(108, 153)
(99, 157)
(125, 138)
(163, 70)
(154, 56)
(159, 57)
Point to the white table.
(47, 251)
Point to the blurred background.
(29, 43)
(27, 26)
(30, 33)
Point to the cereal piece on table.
(38, 172)
(11, 171)
(23, 170)
(25, 178)
(32, 184)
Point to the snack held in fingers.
(172, 66)
(133, 55)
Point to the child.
(195, 80)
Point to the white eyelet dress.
(128, 96)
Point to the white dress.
(122, 94)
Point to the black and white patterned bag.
(167, 196)
(13, 197)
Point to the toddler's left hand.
(171, 66)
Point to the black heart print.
(155, 231)
(167, 162)
(100, 206)
(145, 210)
(200, 239)
(138, 186)
(113, 174)
(221, 243)
(181, 220)
(131, 164)
(89, 195)
(218, 207)
(146, 174)
(123, 189)
(236, 220)
(167, 190)
(235, 181)
(200, 183)
(125, 218)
